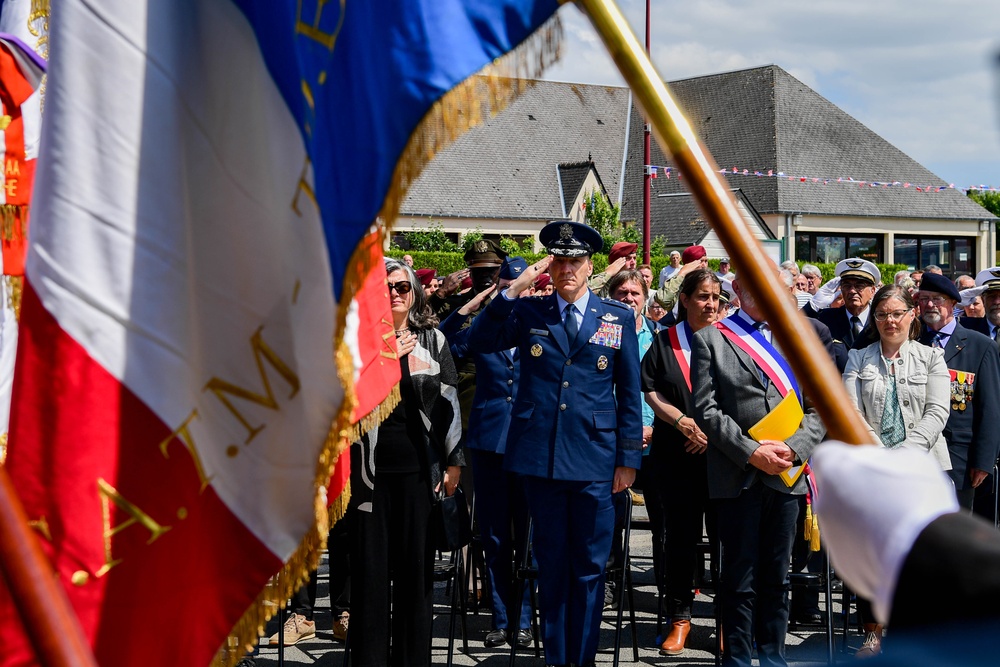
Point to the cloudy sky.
(924, 75)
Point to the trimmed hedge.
(448, 262)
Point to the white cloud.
(923, 75)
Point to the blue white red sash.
(680, 343)
(750, 340)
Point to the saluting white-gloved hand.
(872, 504)
(825, 295)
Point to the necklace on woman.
(400, 332)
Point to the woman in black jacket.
(396, 470)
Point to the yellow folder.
(779, 424)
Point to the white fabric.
(163, 238)
(872, 504)
(825, 295)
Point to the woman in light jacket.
(901, 388)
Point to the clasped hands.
(772, 457)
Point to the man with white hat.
(989, 281)
(859, 279)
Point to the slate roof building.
(535, 161)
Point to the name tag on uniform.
(608, 335)
(540, 332)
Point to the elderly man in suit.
(738, 376)
(576, 428)
(500, 503)
(974, 365)
(859, 279)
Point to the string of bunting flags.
(653, 171)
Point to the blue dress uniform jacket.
(500, 500)
(971, 430)
(578, 411)
(497, 375)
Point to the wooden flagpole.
(46, 614)
(812, 365)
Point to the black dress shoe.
(524, 638)
(495, 638)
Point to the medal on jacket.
(536, 350)
(962, 388)
(602, 362)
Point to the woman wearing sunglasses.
(902, 390)
(395, 473)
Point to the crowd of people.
(563, 389)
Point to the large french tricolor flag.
(205, 322)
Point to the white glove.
(872, 504)
(969, 294)
(825, 295)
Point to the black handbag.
(453, 523)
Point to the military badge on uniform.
(609, 335)
(602, 362)
(608, 317)
(962, 388)
(536, 350)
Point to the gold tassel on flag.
(813, 529)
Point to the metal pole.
(46, 614)
(813, 367)
(646, 231)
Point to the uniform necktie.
(855, 325)
(995, 329)
(569, 319)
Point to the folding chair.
(621, 574)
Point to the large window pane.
(802, 251)
(936, 251)
(905, 252)
(962, 259)
(830, 249)
(865, 247)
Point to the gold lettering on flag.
(110, 495)
(391, 354)
(183, 434)
(304, 186)
(312, 29)
(42, 526)
(261, 352)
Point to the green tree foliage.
(431, 239)
(988, 200)
(658, 248)
(604, 216)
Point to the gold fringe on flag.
(13, 287)
(13, 225)
(465, 106)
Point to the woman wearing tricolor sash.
(678, 453)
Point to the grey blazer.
(922, 383)
(730, 397)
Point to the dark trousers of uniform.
(757, 529)
(502, 517)
(573, 526)
(392, 546)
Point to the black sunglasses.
(402, 287)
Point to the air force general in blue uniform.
(576, 428)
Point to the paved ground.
(806, 646)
